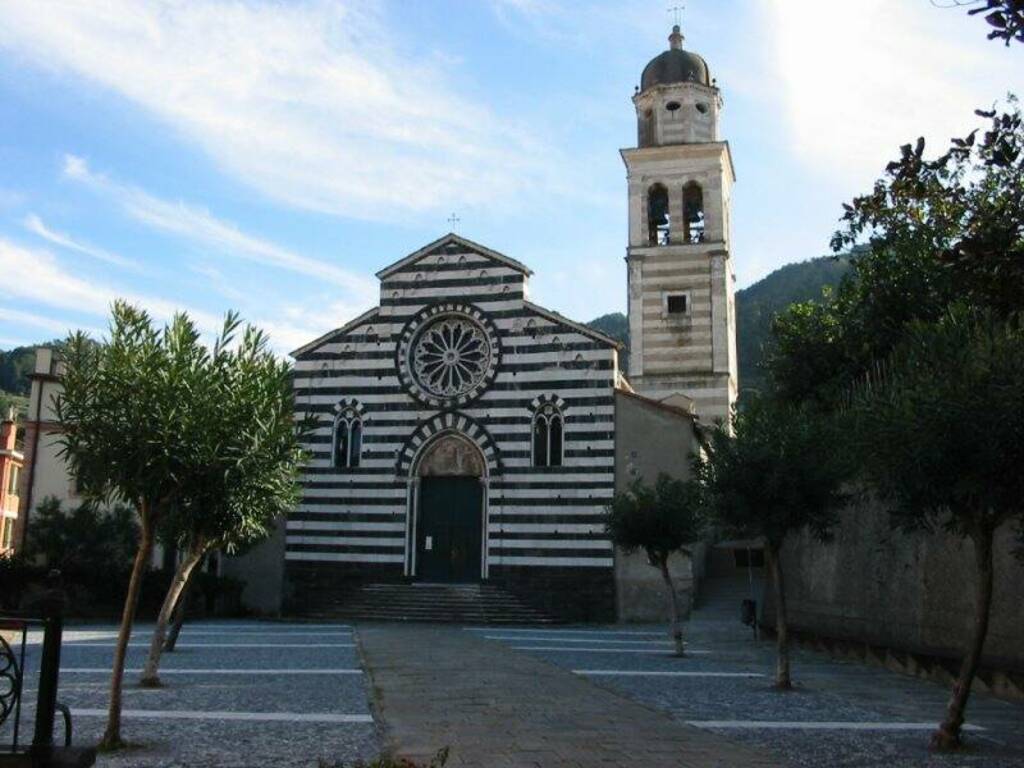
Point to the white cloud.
(859, 79)
(315, 103)
(198, 225)
(35, 225)
(37, 276)
(58, 327)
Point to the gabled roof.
(585, 330)
(452, 239)
(369, 314)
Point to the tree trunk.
(150, 677)
(179, 614)
(112, 735)
(782, 677)
(948, 736)
(675, 628)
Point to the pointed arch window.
(693, 213)
(548, 436)
(348, 439)
(657, 215)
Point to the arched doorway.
(449, 531)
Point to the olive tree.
(126, 434)
(242, 475)
(938, 430)
(660, 520)
(779, 472)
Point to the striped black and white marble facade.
(547, 517)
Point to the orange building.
(11, 462)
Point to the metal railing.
(12, 677)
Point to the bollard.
(49, 670)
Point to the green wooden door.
(449, 534)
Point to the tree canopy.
(659, 519)
(938, 426)
(777, 473)
(934, 233)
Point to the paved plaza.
(235, 693)
(248, 693)
(842, 714)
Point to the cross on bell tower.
(680, 176)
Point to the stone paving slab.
(441, 686)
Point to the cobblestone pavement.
(442, 686)
(240, 693)
(842, 714)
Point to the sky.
(270, 157)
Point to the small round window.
(672, 106)
(702, 108)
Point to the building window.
(348, 439)
(7, 535)
(693, 213)
(676, 303)
(657, 215)
(12, 482)
(548, 437)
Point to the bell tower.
(682, 318)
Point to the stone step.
(437, 603)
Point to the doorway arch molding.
(419, 445)
(460, 424)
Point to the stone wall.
(651, 438)
(564, 594)
(909, 592)
(261, 569)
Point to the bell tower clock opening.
(680, 179)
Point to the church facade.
(466, 435)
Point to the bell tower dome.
(680, 176)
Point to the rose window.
(451, 356)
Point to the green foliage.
(19, 403)
(780, 472)
(16, 365)
(659, 520)
(938, 427)
(83, 537)
(938, 232)
(758, 305)
(613, 324)
(242, 473)
(15, 575)
(129, 428)
(1006, 17)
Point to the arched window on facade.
(693, 213)
(548, 431)
(348, 438)
(657, 215)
